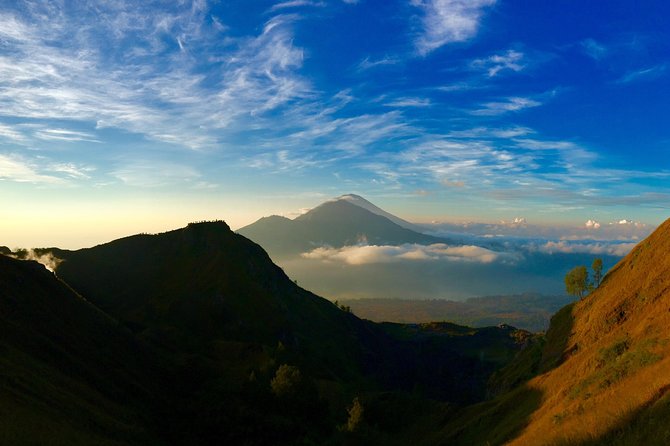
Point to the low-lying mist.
(446, 272)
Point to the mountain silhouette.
(69, 374)
(190, 329)
(348, 220)
(192, 287)
(365, 204)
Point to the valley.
(185, 334)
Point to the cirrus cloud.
(448, 21)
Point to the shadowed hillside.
(229, 319)
(69, 374)
(603, 374)
(185, 289)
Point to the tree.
(597, 271)
(355, 416)
(287, 382)
(577, 281)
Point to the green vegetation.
(355, 419)
(597, 268)
(615, 363)
(577, 281)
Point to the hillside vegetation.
(603, 374)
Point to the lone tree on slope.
(597, 268)
(577, 281)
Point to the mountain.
(365, 204)
(69, 374)
(603, 374)
(348, 220)
(190, 287)
(187, 289)
(227, 320)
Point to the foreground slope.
(604, 374)
(68, 373)
(334, 223)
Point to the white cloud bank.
(594, 248)
(368, 254)
(49, 261)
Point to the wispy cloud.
(512, 104)
(164, 98)
(485, 132)
(71, 170)
(65, 135)
(368, 63)
(461, 87)
(593, 49)
(448, 21)
(510, 60)
(644, 74)
(409, 102)
(11, 133)
(151, 173)
(16, 168)
(296, 4)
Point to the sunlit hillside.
(604, 372)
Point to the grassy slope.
(604, 372)
(68, 374)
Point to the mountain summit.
(343, 221)
(365, 204)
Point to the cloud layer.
(367, 254)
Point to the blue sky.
(123, 116)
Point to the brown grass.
(616, 357)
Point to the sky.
(120, 117)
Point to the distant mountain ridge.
(347, 220)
